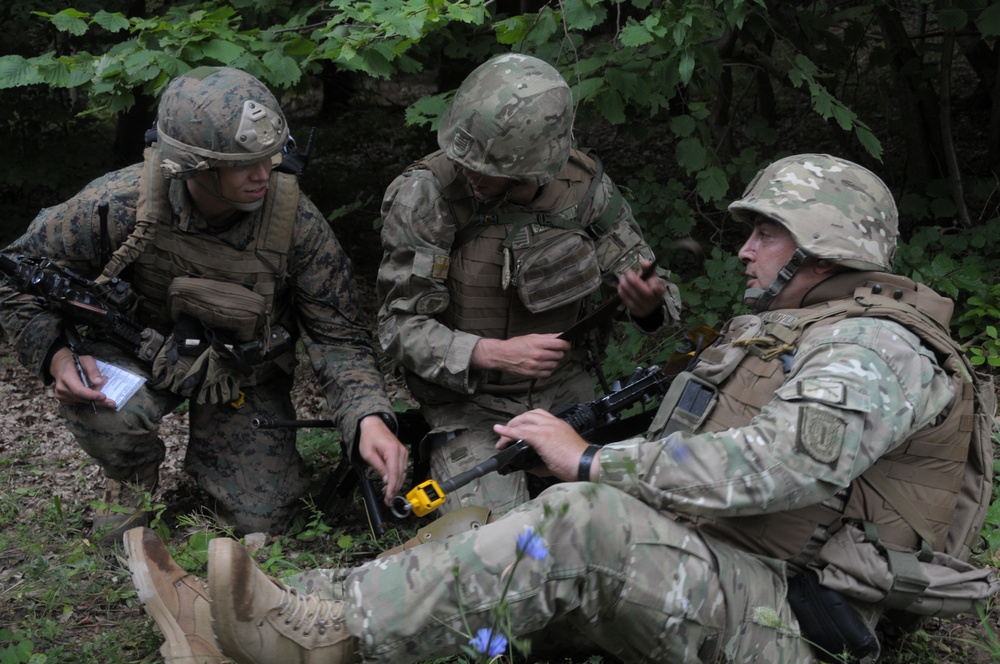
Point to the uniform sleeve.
(855, 391)
(338, 345)
(622, 246)
(67, 234)
(417, 235)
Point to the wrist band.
(586, 461)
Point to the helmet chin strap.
(764, 297)
(217, 195)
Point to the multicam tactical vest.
(939, 470)
(161, 253)
(562, 246)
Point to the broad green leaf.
(635, 35)
(222, 51)
(712, 184)
(682, 125)
(952, 19)
(609, 102)
(69, 20)
(580, 15)
(285, 71)
(111, 22)
(989, 20)
(691, 154)
(16, 71)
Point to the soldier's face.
(245, 184)
(215, 192)
(765, 252)
(487, 187)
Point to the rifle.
(592, 420)
(100, 307)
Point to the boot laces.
(309, 611)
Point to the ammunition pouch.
(559, 269)
(828, 621)
(218, 305)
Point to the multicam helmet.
(217, 116)
(512, 117)
(834, 209)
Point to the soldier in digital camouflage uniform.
(724, 534)
(224, 252)
(495, 245)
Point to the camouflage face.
(512, 117)
(835, 209)
(217, 116)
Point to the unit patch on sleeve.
(821, 434)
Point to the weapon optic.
(83, 301)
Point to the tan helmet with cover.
(214, 117)
(835, 209)
(511, 117)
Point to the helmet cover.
(835, 209)
(511, 117)
(213, 117)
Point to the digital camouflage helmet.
(214, 117)
(512, 117)
(835, 210)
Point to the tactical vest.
(161, 253)
(938, 473)
(493, 252)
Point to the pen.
(83, 376)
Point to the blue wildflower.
(531, 544)
(489, 644)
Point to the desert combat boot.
(177, 601)
(260, 621)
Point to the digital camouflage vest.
(224, 283)
(930, 493)
(529, 273)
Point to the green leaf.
(691, 154)
(285, 71)
(223, 51)
(712, 184)
(611, 106)
(111, 22)
(580, 15)
(952, 19)
(682, 125)
(71, 21)
(686, 68)
(635, 35)
(16, 71)
(989, 21)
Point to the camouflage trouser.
(462, 437)
(637, 583)
(255, 476)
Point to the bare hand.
(641, 296)
(69, 387)
(382, 451)
(557, 443)
(529, 356)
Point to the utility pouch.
(559, 269)
(828, 621)
(218, 305)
